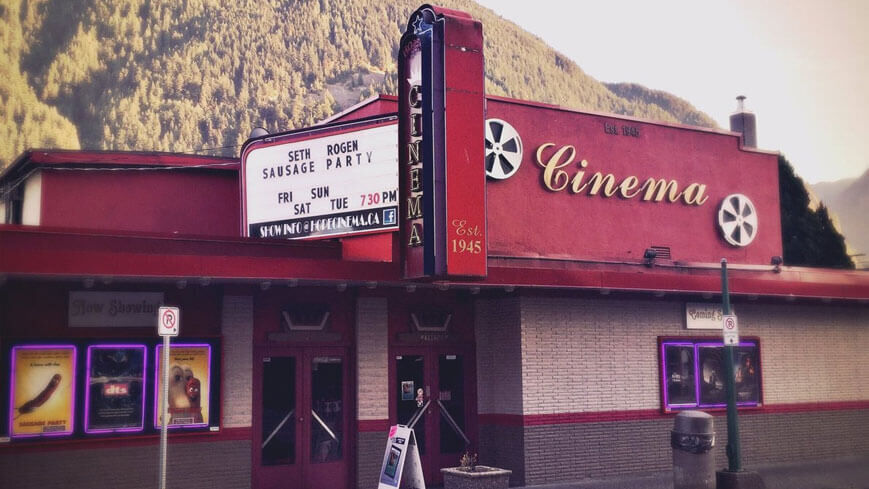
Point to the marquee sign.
(328, 182)
(441, 138)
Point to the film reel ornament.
(503, 149)
(737, 220)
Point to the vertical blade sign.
(441, 145)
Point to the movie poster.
(711, 361)
(679, 370)
(42, 390)
(189, 385)
(746, 374)
(115, 396)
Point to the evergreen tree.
(808, 237)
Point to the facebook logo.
(388, 216)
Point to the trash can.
(692, 440)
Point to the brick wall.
(237, 328)
(499, 383)
(369, 458)
(593, 355)
(372, 384)
(810, 353)
(503, 446)
(794, 437)
(222, 465)
(595, 450)
(499, 356)
(600, 356)
(600, 450)
(372, 351)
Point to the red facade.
(529, 219)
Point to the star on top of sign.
(417, 24)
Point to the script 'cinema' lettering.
(556, 178)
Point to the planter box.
(482, 478)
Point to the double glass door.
(434, 394)
(301, 418)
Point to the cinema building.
(538, 285)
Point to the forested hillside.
(198, 75)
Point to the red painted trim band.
(372, 425)
(649, 414)
(224, 435)
(805, 407)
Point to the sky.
(802, 64)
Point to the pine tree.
(808, 237)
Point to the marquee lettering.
(414, 161)
(556, 178)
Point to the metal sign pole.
(168, 323)
(734, 464)
(164, 409)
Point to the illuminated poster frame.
(700, 380)
(116, 386)
(188, 390)
(42, 389)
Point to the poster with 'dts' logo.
(42, 390)
(114, 399)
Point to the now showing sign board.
(113, 309)
(330, 181)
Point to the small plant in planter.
(468, 462)
(469, 475)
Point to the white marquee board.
(303, 186)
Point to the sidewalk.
(851, 473)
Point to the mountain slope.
(25, 120)
(198, 75)
(848, 199)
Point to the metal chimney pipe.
(744, 122)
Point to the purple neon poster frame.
(12, 372)
(664, 346)
(696, 346)
(87, 394)
(158, 379)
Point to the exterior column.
(499, 385)
(372, 387)
(237, 327)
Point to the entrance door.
(301, 418)
(434, 393)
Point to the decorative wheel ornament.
(503, 149)
(737, 220)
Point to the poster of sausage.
(115, 395)
(42, 390)
(189, 385)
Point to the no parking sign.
(731, 330)
(168, 320)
